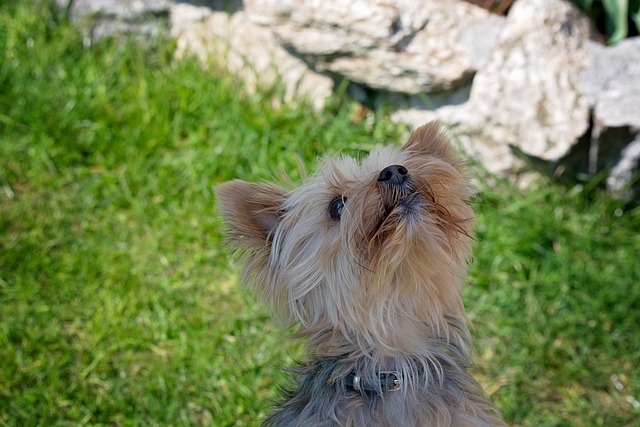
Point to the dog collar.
(386, 381)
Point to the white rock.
(612, 85)
(403, 46)
(109, 17)
(122, 9)
(247, 50)
(621, 177)
(527, 95)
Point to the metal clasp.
(397, 382)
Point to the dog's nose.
(393, 175)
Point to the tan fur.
(377, 289)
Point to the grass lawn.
(120, 306)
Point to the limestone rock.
(246, 49)
(527, 95)
(621, 179)
(612, 84)
(405, 46)
(109, 17)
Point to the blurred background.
(119, 303)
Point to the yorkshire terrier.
(366, 259)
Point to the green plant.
(613, 16)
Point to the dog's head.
(372, 251)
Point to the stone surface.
(621, 179)
(527, 94)
(246, 49)
(407, 46)
(612, 84)
(105, 18)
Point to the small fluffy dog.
(367, 261)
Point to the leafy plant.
(613, 16)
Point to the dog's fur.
(369, 270)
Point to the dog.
(366, 260)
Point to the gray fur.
(437, 391)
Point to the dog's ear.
(431, 140)
(252, 211)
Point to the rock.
(108, 17)
(247, 50)
(402, 46)
(480, 39)
(527, 94)
(621, 179)
(612, 85)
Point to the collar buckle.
(390, 380)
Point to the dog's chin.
(410, 206)
(397, 222)
(407, 208)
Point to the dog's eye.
(336, 206)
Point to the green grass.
(119, 304)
